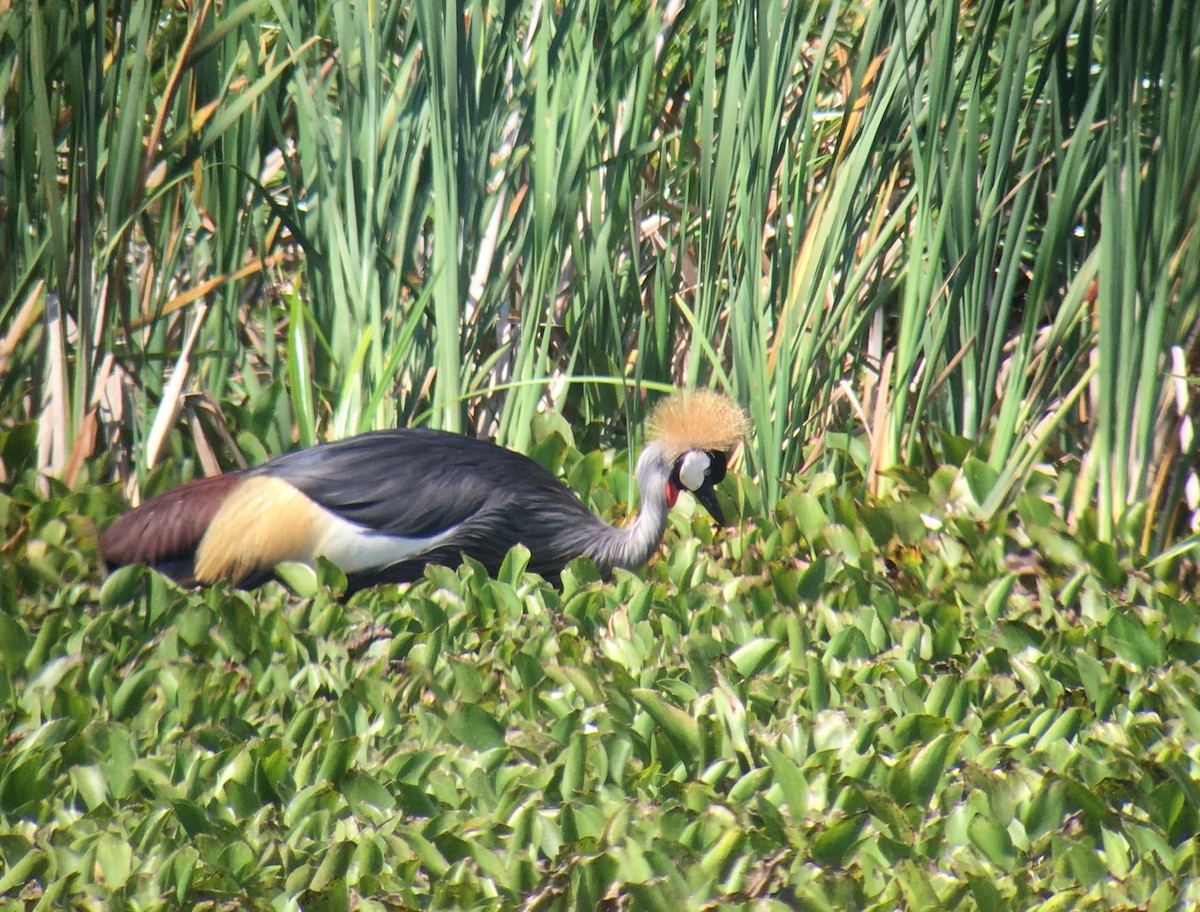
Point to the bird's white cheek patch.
(693, 469)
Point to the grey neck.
(633, 545)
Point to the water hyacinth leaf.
(750, 657)
(717, 859)
(331, 576)
(551, 449)
(1064, 727)
(1130, 639)
(791, 782)
(300, 578)
(468, 683)
(183, 870)
(916, 783)
(475, 727)
(847, 644)
(981, 478)
(361, 788)
(512, 570)
(124, 585)
(819, 692)
(335, 861)
(878, 523)
(906, 520)
(993, 841)
(678, 725)
(832, 845)
(586, 474)
(918, 889)
(986, 896)
(654, 896)
(1066, 901)
(90, 783)
(22, 871)
(115, 858)
(193, 819)
(1105, 561)
(128, 697)
(574, 767)
(1116, 853)
(750, 784)
(811, 579)
(996, 600)
(806, 510)
(1097, 683)
(336, 759)
(18, 445)
(14, 642)
(580, 679)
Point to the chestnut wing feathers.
(166, 529)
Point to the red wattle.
(672, 493)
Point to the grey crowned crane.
(383, 505)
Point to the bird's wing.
(166, 529)
(414, 483)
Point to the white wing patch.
(354, 547)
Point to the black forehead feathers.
(716, 467)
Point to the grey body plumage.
(491, 497)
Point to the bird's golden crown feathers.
(698, 420)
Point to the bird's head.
(695, 433)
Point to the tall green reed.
(871, 223)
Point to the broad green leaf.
(23, 870)
(986, 896)
(993, 841)
(807, 512)
(90, 783)
(513, 567)
(1132, 641)
(1065, 727)
(832, 845)
(750, 657)
(335, 860)
(14, 642)
(115, 858)
(716, 859)
(361, 788)
(300, 578)
(476, 728)
(678, 725)
(995, 601)
(123, 585)
(1104, 560)
(336, 758)
(926, 768)
(791, 781)
(128, 698)
(981, 478)
(191, 817)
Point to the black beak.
(708, 499)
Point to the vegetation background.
(944, 252)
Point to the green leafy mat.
(840, 707)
